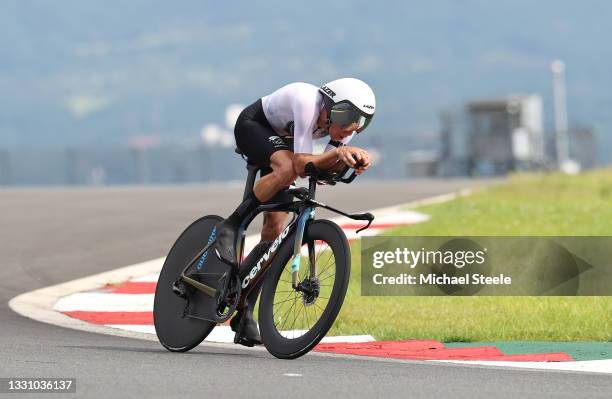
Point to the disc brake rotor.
(310, 289)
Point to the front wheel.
(292, 321)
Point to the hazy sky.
(99, 70)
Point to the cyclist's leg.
(273, 225)
(258, 141)
(256, 138)
(282, 175)
(274, 222)
(243, 324)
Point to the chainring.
(227, 297)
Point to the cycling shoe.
(246, 330)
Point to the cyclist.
(277, 133)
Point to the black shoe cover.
(225, 244)
(246, 330)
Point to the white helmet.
(348, 101)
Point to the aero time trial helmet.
(348, 101)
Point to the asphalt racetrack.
(49, 236)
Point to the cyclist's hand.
(361, 168)
(354, 157)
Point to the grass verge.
(551, 204)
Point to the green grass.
(552, 204)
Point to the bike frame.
(303, 210)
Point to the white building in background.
(504, 135)
(497, 136)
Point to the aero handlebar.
(330, 178)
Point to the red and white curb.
(432, 350)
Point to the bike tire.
(175, 331)
(282, 346)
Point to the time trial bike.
(305, 273)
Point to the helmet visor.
(345, 114)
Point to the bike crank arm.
(211, 292)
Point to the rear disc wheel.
(182, 323)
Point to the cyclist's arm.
(331, 146)
(324, 161)
(350, 156)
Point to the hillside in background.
(90, 74)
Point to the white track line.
(105, 302)
(593, 366)
(149, 278)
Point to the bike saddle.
(243, 155)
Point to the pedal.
(179, 288)
(239, 339)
